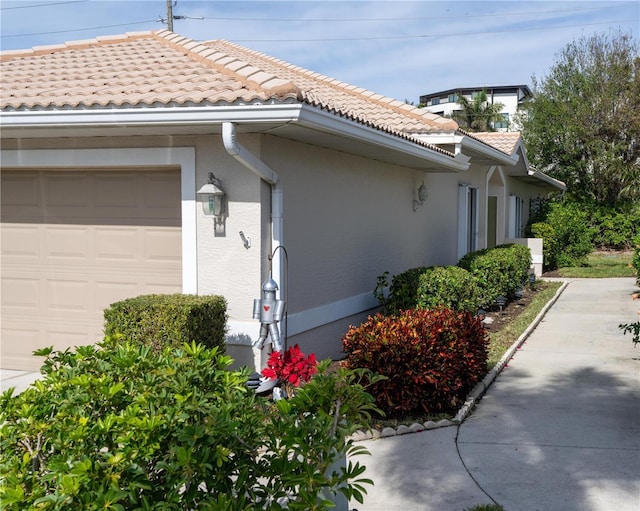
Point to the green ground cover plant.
(500, 340)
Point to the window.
(515, 216)
(453, 98)
(502, 124)
(435, 101)
(467, 219)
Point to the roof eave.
(462, 141)
(208, 119)
(541, 176)
(330, 123)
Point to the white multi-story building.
(511, 96)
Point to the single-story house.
(107, 142)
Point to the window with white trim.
(515, 227)
(467, 219)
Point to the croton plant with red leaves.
(293, 367)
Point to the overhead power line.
(424, 36)
(447, 17)
(329, 39)
(41, 5)
(78, 29)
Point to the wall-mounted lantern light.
(212, 197)
(422, 197)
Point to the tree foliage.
(583, 125)
(477, 114)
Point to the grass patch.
(501, 340)
(602, 265)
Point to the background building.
(511, 96)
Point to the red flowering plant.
(292, 368)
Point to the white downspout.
(266, 173)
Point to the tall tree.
(583, 124)
(477, 114)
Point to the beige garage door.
(73, 242)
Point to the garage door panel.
(67, 243)
(66, 192)
(116, 244)
(24, 340)
(115, 192)
(160, 246)
(65, 260)
(20, 294)
(67, 295)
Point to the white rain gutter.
(267, 174)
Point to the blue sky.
(396, 48)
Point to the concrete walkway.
(559, 429)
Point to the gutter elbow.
(229, 138)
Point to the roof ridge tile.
(72, 45)
(229, 65)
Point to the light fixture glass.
(212, 197)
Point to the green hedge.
(169, 320)
(450, 287)
(498, 271)
(428, 287)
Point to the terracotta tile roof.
(146, 69)
(507, 142)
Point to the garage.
(73, 242)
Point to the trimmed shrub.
(431, 358)
(169, 320)
(117, 426)
(447, 286)
(427, 287)
(498, 271)
(403, 292)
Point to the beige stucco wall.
(347, 219)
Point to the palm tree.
(477, 114)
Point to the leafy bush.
(498, 271)
(431, 358)
(427, 287)
(447, 286)
(613, 227)
(633, 329)
(169, 320)
(403, 292)
(117, 426)
(573, 234)
(569, 237)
